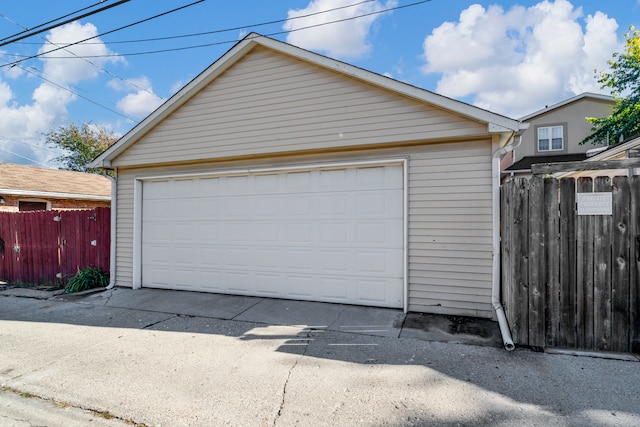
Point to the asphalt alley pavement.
(170, 358)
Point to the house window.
(32, 206)
(550, 138)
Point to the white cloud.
(348, 39)
(177, 86)
(22, 126)
(64, 65)
(516, 61)
(139, 103)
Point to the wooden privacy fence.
(569, 280)
(47, 247)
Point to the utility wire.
(43, 147)
(234, 41)
(25, 29)
(24, 157)
(188, 35)
(229, 41)
(42, 30)
(11, 64)
(115, 76)
(76, 93)
(226, 30)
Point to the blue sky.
(511, 57)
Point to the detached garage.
(281, 173)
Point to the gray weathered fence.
(569, 280)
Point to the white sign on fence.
(595, 204)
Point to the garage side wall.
(449, 248)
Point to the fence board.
(537, 264)
(567, 290)
(46, 248)
(634, 273)
(521, 251)
(552, 295)
(620, 265)
(584, 273)
(602, 273)
(506, 277)
(515, 255)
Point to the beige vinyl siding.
(124, 230)
(270, 103)
(449, 220)
(450, 236)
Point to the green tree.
(624, 81)
(81, 144)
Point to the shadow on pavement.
(595, 389)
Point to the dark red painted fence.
(48, 247)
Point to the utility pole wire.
(26, 29)
(176, 49)
(42, 30)
(14, 63)
(227, 30)
(78, 95)
(115, 76)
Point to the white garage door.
(333, 235)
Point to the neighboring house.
(555, 133)
(281, 173)
(629, 149)
(29, 188)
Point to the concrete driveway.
(170, 358)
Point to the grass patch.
(88, 278)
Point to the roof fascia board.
(253, 39)
(52, 195)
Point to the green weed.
(88, 278)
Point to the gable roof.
(585, 95)
(495, 123)
(32, 181)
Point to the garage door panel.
(323, 235)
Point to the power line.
(24, 157)
(91, 63)
(226, 41)
(226, 30)
(42, 147)
(11, 64)
(46, 23)
(42, 30)
(76, 93)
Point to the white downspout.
(112, 247)
(495, 288)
